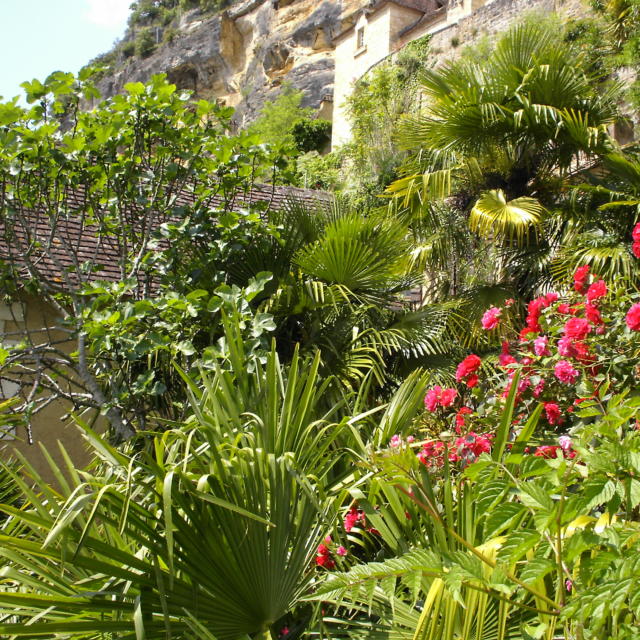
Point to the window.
(360, 42)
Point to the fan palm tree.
(340, 285)
(499, 140)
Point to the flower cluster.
(466, 370)
(324, 555)
(354, 517)
(491, 318)
(439, 397)
(569, 345)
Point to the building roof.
(421, 6)
(438, 10)
(76, 242)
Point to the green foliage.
(145, 42)
(320, 171)
(132, 156)
(128, 49)
(283, 122)
(311, 135)
(375, 108)
(499, 144)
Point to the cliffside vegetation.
(151, 24)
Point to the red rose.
(593, 314)
(635, 247)
(633, 317)
(547, 451)
(580, 278)
(597, 290)
(472, 380)
(635, 234)
(577, 328)
(553, 413)
(467, 367)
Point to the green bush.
(145, 42)
(311, 135)
(128, 49)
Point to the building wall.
(381, 29)
(48, 427)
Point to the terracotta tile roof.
(77, 241)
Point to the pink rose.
(540, 346)
(577, 328)
(491, 318)
(565, 372)
(633, 317)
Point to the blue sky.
(41, 36)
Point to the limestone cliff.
(243, 54)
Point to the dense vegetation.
(296, 447)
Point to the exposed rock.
(244, 55)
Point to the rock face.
(244, 54)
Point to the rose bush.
(579, 345)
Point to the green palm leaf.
(516, 220)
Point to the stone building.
(376, 31)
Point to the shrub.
(128, 49)
(311, 135)
(145, 42)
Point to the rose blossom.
(395, 441)
(635, 234)
(539, 388)
(468, 367)
(469, 447)
(565, 442)
(491, 318)
(540, 346)
(547, 451)
(447, 397)
(553, 413)
(439, 397)
(635, 247)
(580, 278)
(341, 551)
(505, 358)
(593, 314)
(472, 380)
(565, 347)
(353, 517)
(596, 291)
(577, 328)
(431, 399)
(633, 317)
(565, 372)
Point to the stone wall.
(492, 18)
